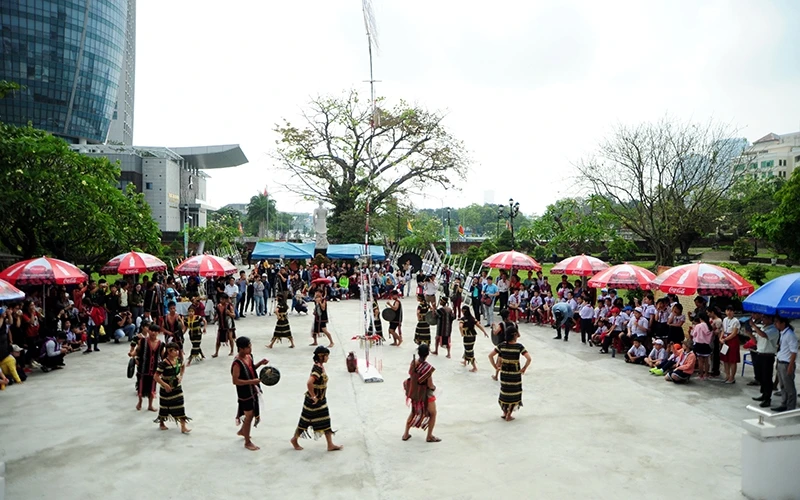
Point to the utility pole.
(447, 233)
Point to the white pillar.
(769, 459)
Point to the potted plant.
(742, 251)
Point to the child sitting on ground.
(636, 353)
(657, 355)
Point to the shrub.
(620, 249)
(742, 250)
(540, 253)
(757, 273)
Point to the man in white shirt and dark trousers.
(586, 312)
(766, 337)
(787, 358)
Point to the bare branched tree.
(665, 180)
(338, 156)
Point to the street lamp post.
(185, 230)
(513, 212)
(447, 233)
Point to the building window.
(781, 163)
(148, 185)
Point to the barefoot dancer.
(243, 372)
(226, 329)
(195, 325)
(422, 333)
(396, 325)
(320, 319)
(468, 323)
(444, 326)
(315, 417)
(282, 328)
(148, 355)
(499, 334)
(510, 372)
(419, 392)
(169, 375)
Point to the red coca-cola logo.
(624, 275)
(710, 278)
(677, 290)
(70, 281)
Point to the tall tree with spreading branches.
(664, 181)
(346, 156)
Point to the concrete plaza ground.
(591, 427)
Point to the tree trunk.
(261, 229)
(665, 254)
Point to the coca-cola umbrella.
(625, 276)
(206, 266)
(43, 271)
(702, 279)
(133, 263)
(511, 260)
(579, 265)
(9, 291)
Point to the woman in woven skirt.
(282, 328)
(320, 325)
(396, 325)
(315, 418)
(194, 325)
(170, 397)
(422, 333)
(243, 373)
(444, 326)
(467, 325)
(376, 319)
(226, 330)
(509, 352)
(419, 393)
(148, 355)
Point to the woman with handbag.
(419, 390)
(475, 298)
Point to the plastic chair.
(745, 362)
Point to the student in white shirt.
(586, 312)
(657, 355)
(636, 354)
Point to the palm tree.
(259, 211)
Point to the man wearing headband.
(315, 416)
(243, 373)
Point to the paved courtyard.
(591, 427)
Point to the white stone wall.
(162, 176)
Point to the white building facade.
(771, 156)
(173, 180)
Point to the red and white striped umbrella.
(43, 271)
(579, 265)
(702, 279)
(511, 260)
(207, 266)
(9, 291)
(626, 276)
(133, 263)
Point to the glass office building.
(68, 55)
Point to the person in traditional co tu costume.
(315, 419)
(282, 328)
(509, 351)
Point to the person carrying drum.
(243, 374)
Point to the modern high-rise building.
(121, 130)
(75, 61)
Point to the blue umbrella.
(780, 296)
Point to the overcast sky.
(529, 86)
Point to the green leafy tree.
(780, 226)
(58, 202)
(426, 230)
(571, 226)
(7, 87)
(664, 181)
(347, 156)
(748, 197)
(620, 250)
(260, 210)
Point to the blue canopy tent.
(283, 250)
(354, 251)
